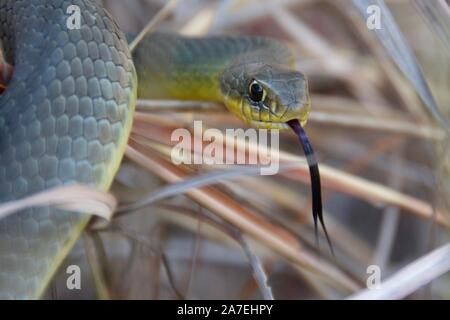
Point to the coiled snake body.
(67, 112)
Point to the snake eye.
(256, 91)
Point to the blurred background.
(384, 161)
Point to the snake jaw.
(267, 125)
(268, 119)
(297, 112)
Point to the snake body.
(67, 112)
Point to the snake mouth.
(267, 125)
(279, 125)
(282, 121)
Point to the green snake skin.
(64, 118)
(67, 112)
(195, 65)
(220, 69)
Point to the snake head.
(266, 96)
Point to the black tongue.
(315, 179)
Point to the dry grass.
(199, 231)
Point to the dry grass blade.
(160, 16)
(149, 127)
(292, 201)
(6, 72)
(227, 208)
(75, 198)
(373, 192)
(391, 38)
(143, 241)
(338, 66)
(97, 268)
(258, 271)
(436, 14)
(196, 182)
(410, 278)
(390, 220)
(381, 124)
(200, 23)
(346, 119)
(255, 262)
(235, 12)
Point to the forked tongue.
(315, 180)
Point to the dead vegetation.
(200, 231)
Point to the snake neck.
(170, 67)
(176, 67)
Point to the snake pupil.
(256, 91)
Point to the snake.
(67, 112)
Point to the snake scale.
(67, 112)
